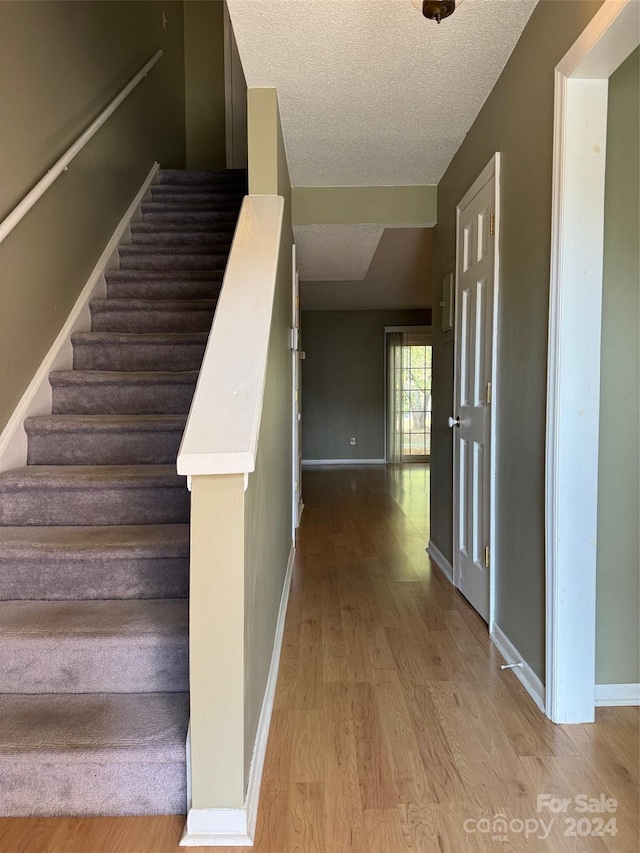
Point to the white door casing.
(473, 422)
(573, 382)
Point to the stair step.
(104, 439)
(93, 495)
(70, 563)
(159, 234)
(93, 754)
(186, 195)
(217, 231)
(121, 351)
(228, 189)
(157, 212)
(105, 392)
(135, 256)
(202, 176)
(230, 208)
(152, 315)
(164, 284)
(94, 646)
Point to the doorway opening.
(574, 356)
(408, 394)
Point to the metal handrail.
(23, 207)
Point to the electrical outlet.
(352, 441)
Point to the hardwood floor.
(394, 727)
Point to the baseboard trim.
(526, 676)
(37, 399)
(311, 462)
(216, 828)
(237, 827)
(440, 560)
(612, 695)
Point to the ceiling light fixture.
(436, 10)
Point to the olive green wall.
(268, 497)
(60, 65)
(406, 205)
(343, 382)
(204, 84)
(517, 120)
(268, 507)
(618, 561)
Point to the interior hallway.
(393, 723)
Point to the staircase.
(94, 530)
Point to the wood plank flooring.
(394, 727)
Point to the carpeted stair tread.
(182, 195)
(93, 754)
(169, 276)
(164, 284)
(202, 176)
(164, 288)
(119, 351)
(156, 235)
(71, 476)
(92, 619)
(152, 315)
(147, 541)
(94, 646)
(133, 249)
(72, 423)
(103, 439)
(200, 205)
(71, 563)
(157, 214)
(203, 257)
(222, 232)
(108, 727)
(91, 495)
(184, 187)
(122, 392)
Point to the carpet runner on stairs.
(94, 533)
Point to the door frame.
(574, 354)
(297, 504)
(490, 171)
(428, 331)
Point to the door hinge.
(486, 556)
(296, 397)
(492, 224)
(488, 392)
(295, 338)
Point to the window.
(408, 394)
(416, 401)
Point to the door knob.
(454, 422)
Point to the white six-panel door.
(471, 421)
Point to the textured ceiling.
(335, 252)
(370, 92)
